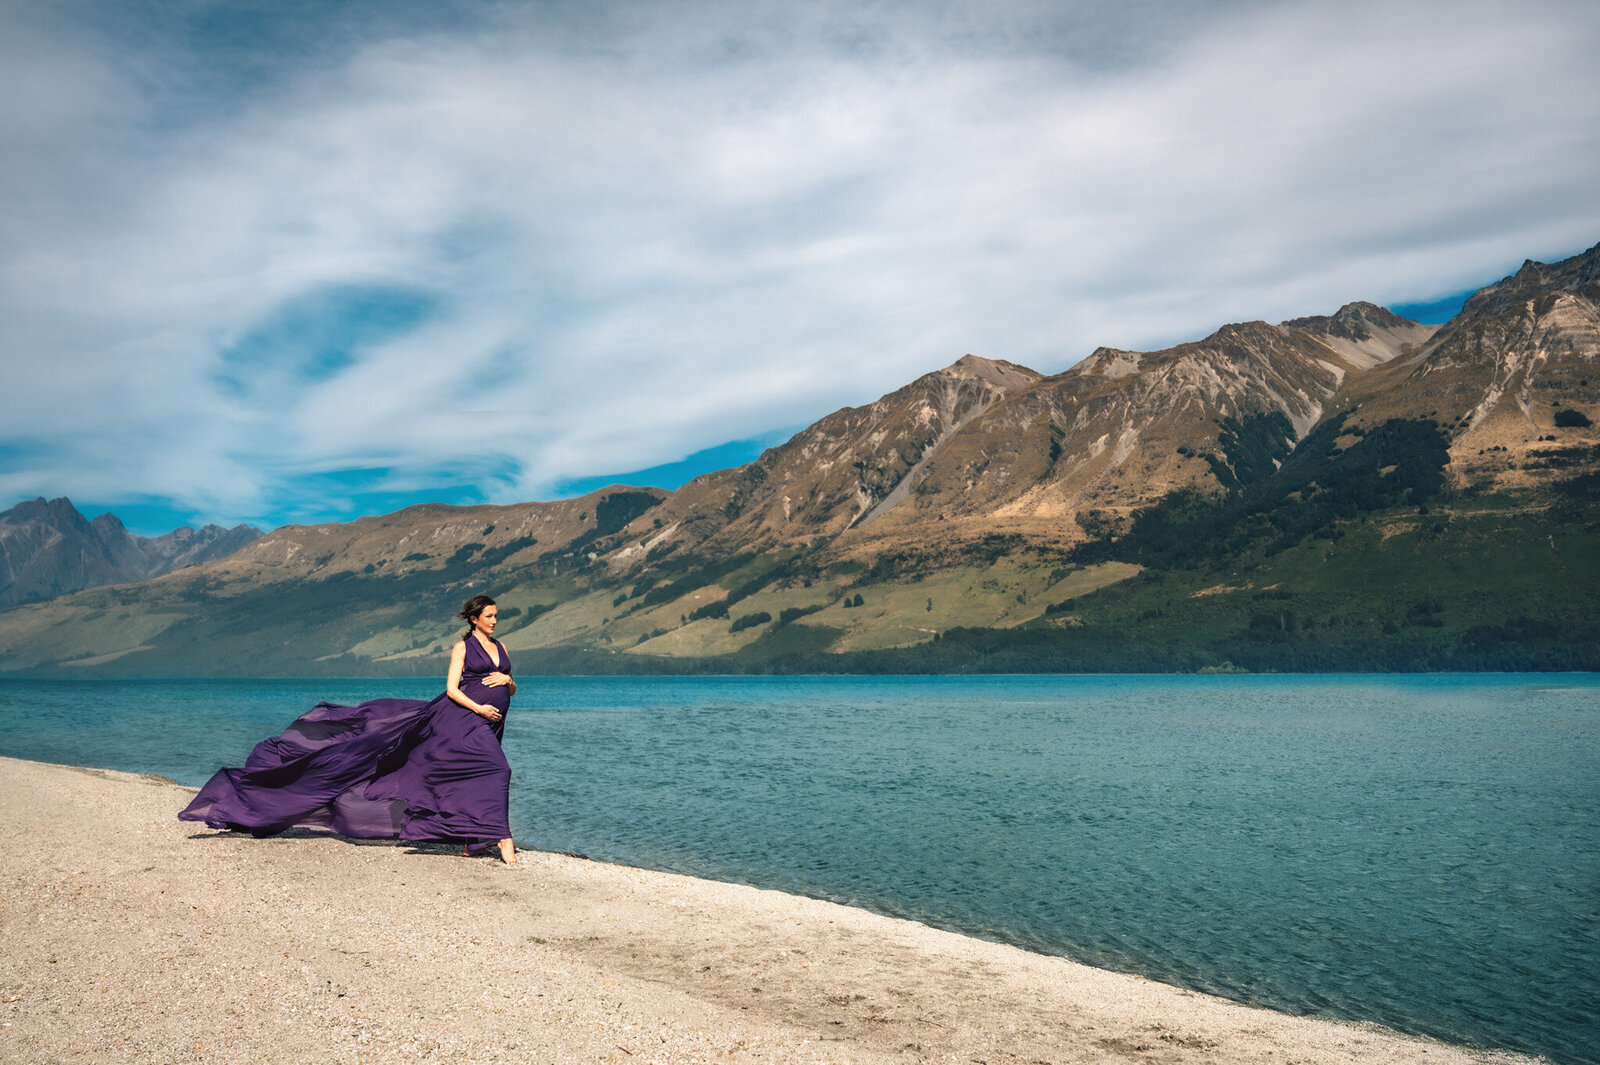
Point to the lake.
(1418, 851)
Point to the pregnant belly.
(478, 692)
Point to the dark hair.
(471, 609)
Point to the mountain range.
(1350, 491)
(48, 548)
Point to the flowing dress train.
(387, 769)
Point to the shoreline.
(132, 936)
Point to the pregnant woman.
(390, 768)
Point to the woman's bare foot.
(508, 852)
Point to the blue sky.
(296, 261)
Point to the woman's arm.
(452, 684)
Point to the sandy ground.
(129, 936)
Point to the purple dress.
(387, 769)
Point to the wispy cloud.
(276, 262)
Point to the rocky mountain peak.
(1357, 321)
(58, 514)
(48, 548)
(1497, 374)
(1363, 335)
(1579, 274)
(842, 472)
(1006, 376)
(1111, 362)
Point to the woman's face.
(486, 621)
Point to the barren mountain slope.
(841, 473)
(431, 536)
(1122, 428)
(1498, 374)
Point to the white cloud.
(649, 230)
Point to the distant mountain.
(1336, 492)
(47, 548)
(373, 594)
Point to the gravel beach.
(130, 936)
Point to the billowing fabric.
(387, 769)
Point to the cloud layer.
(274, 263)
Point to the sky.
(284, 261)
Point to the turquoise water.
(1422, 852)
